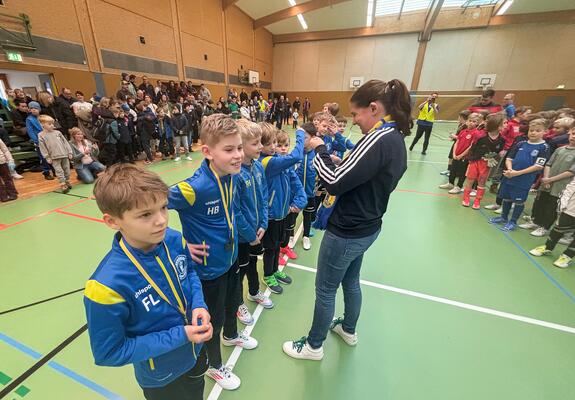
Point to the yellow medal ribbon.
(182, 305)
(226, 194)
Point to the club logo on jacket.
(181, 263)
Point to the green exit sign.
(14, 56)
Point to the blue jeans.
(86, 173)
(339, 262)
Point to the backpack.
(101, 130)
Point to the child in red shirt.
(482, 156)
(465, 139)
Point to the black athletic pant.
(248, 259)
(458, 170)
(309, 215)
(421, 130)
(271, 243)
(289, 227)
(565, 225)
(544, 210)
(125, 152)
(189, 386)
(220, 295)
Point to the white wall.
(328, 65)
(20, 79)
(524, 57)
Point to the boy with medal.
(144, 303)
(204, 203)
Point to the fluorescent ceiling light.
(291, 2)
(302, 21)
(369, 21)
(505, 7)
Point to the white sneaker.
(189, 158)
(224, 377)
(244, 315)
(260, 298)
(446, 186)
(563, 261)
(177, 159)
(300, 349)
(539, 251)
(243, 340)
(566, 240)
(540, 232)
(16, 175)
(445, 173)
(455, 190)
(528, 225)
(291, 243)
(499, 210)
(473, 193)
(337, 327)
(527, 218)
(306, 243)
(492, 207)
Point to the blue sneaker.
(311, 232)
(508, 227)
(497, 220)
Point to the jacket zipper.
(152, 365)
(272, 198)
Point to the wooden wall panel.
(194, 49)
(238, 60)
(265, 71)
(55, 18)
(264, 46)
(119, 30)
(239, 28)
(202, 18)
(155, 10)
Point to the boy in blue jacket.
(278, 179)
(204, 203)
(343, 144)
(251, 216)
(297, 201)
(144, 302)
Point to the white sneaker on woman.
(300, 349)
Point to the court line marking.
(60, 368)
(427, 162)
(455, 303)
(554, 281)
(79, 216)
(217, 389)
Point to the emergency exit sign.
(14, 56)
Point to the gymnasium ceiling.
(353, 13)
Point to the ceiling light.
(291, 2)
(369, 21)
(505, 7)
(302, 22)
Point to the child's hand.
(510, 173)
(199, 334)
(200, 315)
(255, 242)
(545, 180)
(315, 141)
(70, 157)
(260, 234)
(293, 209)
(198, 252)
(336, 160)
(49, 161)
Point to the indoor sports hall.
(455, 303)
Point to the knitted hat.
(34, 104)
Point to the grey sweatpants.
(62, 168)
(181, 141)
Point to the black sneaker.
(272, 283)
(282, 277)
(49, 177)
(423, 153)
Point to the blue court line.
(539, 266)
(61, 369)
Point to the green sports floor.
(453, 308)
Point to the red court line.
(6, 226)
(79, 216)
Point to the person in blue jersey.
(278, 181)
(251, 210)
(305, 172)
(362, 184)
(204, 203)
(343, 143)
(297, 200)
(144, 303)
(524, 162)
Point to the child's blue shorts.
(513, 193)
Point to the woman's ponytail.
(397, 103)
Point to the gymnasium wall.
(529, 60)
(184, 40)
